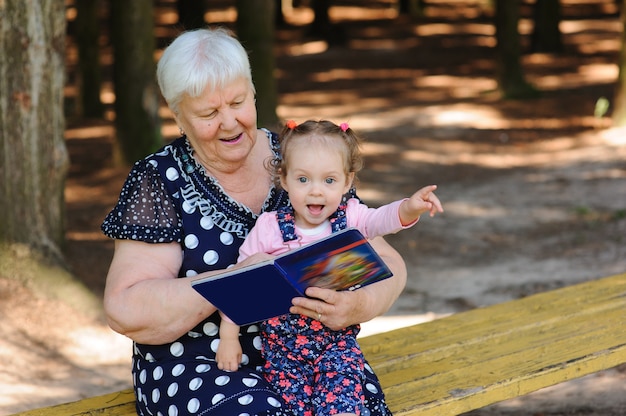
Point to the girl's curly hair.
(342, 137)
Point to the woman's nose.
(228, 120)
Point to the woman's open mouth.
(233, 139)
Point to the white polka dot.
(214, 344)
(368, 368)
(256, 342)
(206, 223)
(245, 360)
(222, 380)
(273, 402)
(372, 388)
(143, 375)
(193, 405)
(210, 257)
(191, 241)
(171, 174)
(249, 382)
(245, 400)
(191, 273)
(177, 349)
(172, 389)
(217, 398)
(210, 328)
(252, 329)
(203, 368)
(194, 334)
(178, 370)
(157, 373)
(188, 208)
(195, 383)
(172, 411)
(226, 238)
(156, 395)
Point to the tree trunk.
(546, 36)
(89, 75)
(137, 120)
(255, 29)
(619, 100)
(509, 72)
(34, 157)
(191, 14)
(413, 8)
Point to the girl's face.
(316, 181)
(220, 125)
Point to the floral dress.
(168, 197)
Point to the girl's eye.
(330, 181)
(302, 179)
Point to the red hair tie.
(291, 124)
(344, 126)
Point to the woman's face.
(220, 125)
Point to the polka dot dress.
(168, 197)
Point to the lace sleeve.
(145, 211)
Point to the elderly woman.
(183, 212)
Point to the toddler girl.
(320, 370)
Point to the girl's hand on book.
(255, 258)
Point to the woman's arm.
(341, 309)
(145, 300)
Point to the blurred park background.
(514, 108)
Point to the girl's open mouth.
(315, 209)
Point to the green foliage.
(601, 107)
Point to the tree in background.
(89, 68)
(619, 99)
(137, 123)
(191, 14)
(415, 8)
(34, 157)
(546, 36)
(509, 72)
(255, 29)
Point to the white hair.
(198, 59)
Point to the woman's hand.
(338, 310)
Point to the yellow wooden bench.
(475, 358)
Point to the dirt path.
(534, 191)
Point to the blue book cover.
(342, 261)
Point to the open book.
(342, 261)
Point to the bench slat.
(120, 403)
(472, 359)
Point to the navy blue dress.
(168, 197)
